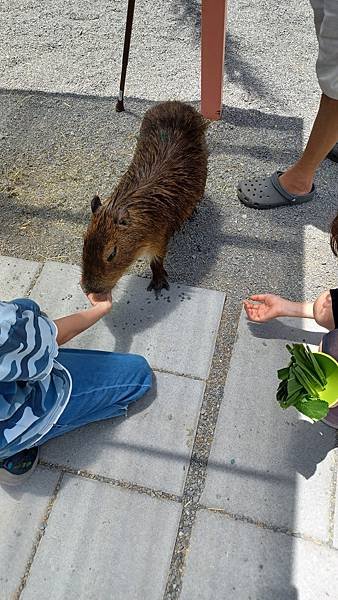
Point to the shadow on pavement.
(278, 330)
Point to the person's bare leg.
(298, 179)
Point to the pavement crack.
(196, 475)
(34, 279)
(38, 538)
(65, 469)
(268, 526)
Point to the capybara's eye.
(112, 255)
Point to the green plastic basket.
(330, 368)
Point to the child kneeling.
(46, 391)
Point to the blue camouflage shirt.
(34, 387)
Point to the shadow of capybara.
(157, 194)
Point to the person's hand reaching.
(103, 302)
(70, 326)
(264, 307)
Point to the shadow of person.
(311, 442)
(310, 446)
(279, 330)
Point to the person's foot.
(19, 467)
(294, 182)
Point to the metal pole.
(127, 36)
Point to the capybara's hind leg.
(159, 280)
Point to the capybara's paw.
(158, 285)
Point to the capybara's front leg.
(159, 280)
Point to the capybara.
(157, 194)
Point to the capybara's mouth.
(96, 291)
(88, 289)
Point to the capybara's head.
(111, 244)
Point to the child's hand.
(103, 302)
(267, 307)
(70, 326)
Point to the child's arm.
(70, 326)
(264, 307)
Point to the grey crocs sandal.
(333, 155)
(268, 193)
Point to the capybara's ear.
(122, 217)
(95, 203)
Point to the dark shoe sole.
(7, 478)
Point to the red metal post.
(212, 57)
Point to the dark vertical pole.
(127, 36)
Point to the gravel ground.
(61, 141)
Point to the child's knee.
(140, 366)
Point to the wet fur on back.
(157, 194)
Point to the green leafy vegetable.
(300, 383)
(317, 368)
(313, 408)
(283, 373)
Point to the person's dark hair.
(334, 236)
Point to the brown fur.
(158, 193)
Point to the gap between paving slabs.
(23, 514)
(195, 479)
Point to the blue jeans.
(104, 384)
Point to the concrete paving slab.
(265, 463)
(248, 562)
(151, 447)
(165, 331)
(22, 512)
(16, 276)
(103, 542)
